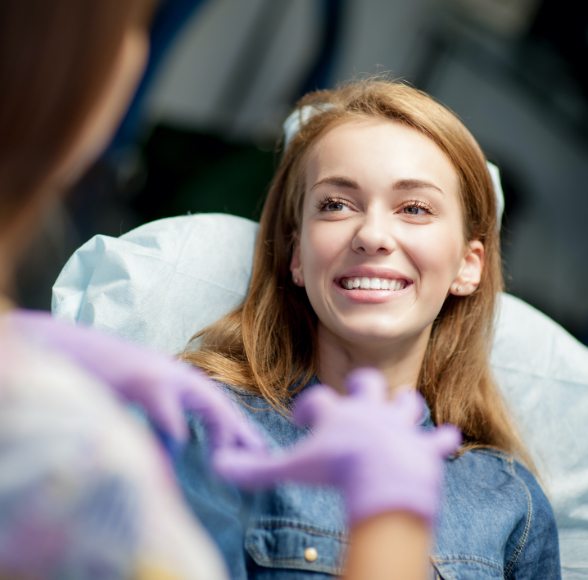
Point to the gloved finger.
(171, 445)
(367, 383)
(446, 439)
(234, 432)
(312, 404)
(167, 413)
(260, 470)
(191, 374)
(196, 386)
(408, 405)
(225, 423)
(203, 397)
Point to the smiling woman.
(272, 342)
(381, 245)
(378, 246)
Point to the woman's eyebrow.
(408, 184)
(400, 185)
(337, 181)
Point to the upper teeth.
(372, 284)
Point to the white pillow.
(160, 283)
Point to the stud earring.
(457, 289)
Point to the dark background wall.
(201, 135)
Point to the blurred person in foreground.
(85, 491)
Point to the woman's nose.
(373, 236)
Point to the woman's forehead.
(364, 149)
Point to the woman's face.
(381, 243)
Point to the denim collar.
(426, 421)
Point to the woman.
(378, 246)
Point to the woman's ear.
(470, 272)
(296, 266)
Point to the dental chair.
(160, 283)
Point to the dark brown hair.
(56, 57)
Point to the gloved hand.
(370, 448)
(164, 387)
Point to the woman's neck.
(400, 361)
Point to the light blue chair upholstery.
(160, 283)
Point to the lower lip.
(371, 296)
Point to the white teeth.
(365, 283)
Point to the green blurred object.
(189, 172)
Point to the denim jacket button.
(310, 554)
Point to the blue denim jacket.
(494, 522)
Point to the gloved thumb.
(249, 470)
(166, 413)
(446, 439)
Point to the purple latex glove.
(164, 387)
(369, 447)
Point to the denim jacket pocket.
(291, 545)
(466, 568)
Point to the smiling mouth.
(364, 283)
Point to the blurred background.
(201, 134)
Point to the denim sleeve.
(220, 507)
(537, 552)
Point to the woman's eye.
(332, 204)
(416, 208)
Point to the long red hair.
(268, 344)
